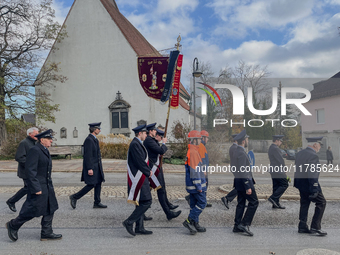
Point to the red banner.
(152, 75)
(177, 81)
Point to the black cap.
(160, 132)
(278, 137)
(45, 134)
(151, 126)
(315, 139)
(241, 136)
(140, 128)
(95, 125)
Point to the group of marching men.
(145, 173)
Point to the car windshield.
(291, 151)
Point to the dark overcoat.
(154, 150)
(136, 160)
(276, 162)
(232, 149)
(306, 177)
(92, 159)
(38, 168)
(243, 175)
(329, 154)
(21, 155)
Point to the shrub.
(179, 142)
(114, 146)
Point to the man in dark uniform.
(154, 151)
(244, 184)
(233, 193)
(93, 174)
(20, 157)
(279, 177)
(306, 180)
(139, 173)
(41, 199)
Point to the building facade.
(99, 59)
(324, 107)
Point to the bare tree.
(27, 31)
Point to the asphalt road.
(176, 179)
(99, 231)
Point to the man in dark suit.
(233, 193)
(92, 174)
(244, 184)
(20, 157)
(306, 180)
(154, 151)
(139, 174)
(279, 177)
(41, 199)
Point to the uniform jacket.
(92, 159)
(194, 178)
(276, 162)
(204, 154)
(136, 161)
(305, 178)
(38, 168)
(154, 150)
(21, 154)
(232, 150)
(329, 155)
(243, 176)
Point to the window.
(320, 116)
(119, 116)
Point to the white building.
(99, 58)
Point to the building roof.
(327, 88)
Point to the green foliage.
(174, 161)
(116, 151)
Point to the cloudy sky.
(293, 38)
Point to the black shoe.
(51, 237)
(245, 229)
(304, 231)
(237, 230)
(225, 201)
(100, 205)
(73, 202)
(12, 233)
(187, 198)
(273, 202)
(188, 224)
(199, 228)
(208, 205)
(11, 206)
(318, 231)
(278, 207)
(147, 218)
(129, 228)
(143, 232)
(173, 215)
(172, 207)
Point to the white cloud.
(61, 10)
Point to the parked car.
(291, 154)
(284, 153)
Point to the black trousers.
(87, 188)
(162, 195)
(280, 185)
(231, 195)
(138, 214)
(46, 223)
(329, 161)
(320, 206)
(21, 192)
(253, 203)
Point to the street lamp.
(197, 74)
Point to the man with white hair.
(306, 180)
(20, 156)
